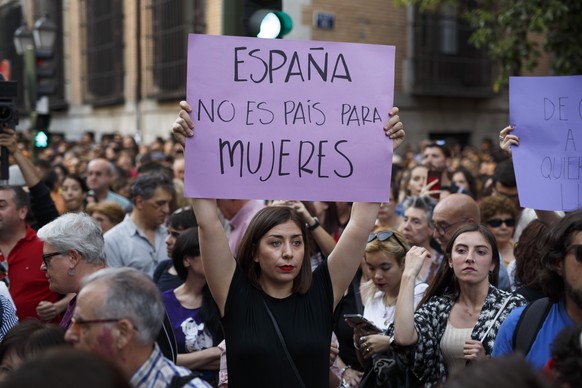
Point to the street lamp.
(23, 39)
(45, 33)
(37, 49)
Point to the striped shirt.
(9, 318)
(158, 371)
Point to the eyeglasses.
(577, 248)
(496, 222)
(46, 258)
(443, 227)
(77, 321)
(383, 236)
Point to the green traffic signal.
(41, 140)
(270, 24)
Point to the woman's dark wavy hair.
(331, 222)
(188, 245)
(559, 239)
(471, 181)
(528, 258)
(445, 281)
(265, 220)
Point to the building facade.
(121, 65)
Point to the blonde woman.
(384, 257)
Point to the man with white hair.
(119, 314)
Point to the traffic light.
(46, 82)
(265, 19)
(41, 139)
(41, 124)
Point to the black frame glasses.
(496, 222)
(577, 248)
(443, 229)
(46, 258)
(385, 235)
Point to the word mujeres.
(316, 65)
(285, 157)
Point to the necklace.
(388, 318)
(471, 313)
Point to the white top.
(381, 315)
(452, 347)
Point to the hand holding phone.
(357, 321)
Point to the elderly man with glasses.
(119, 314)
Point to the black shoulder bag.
(282, 340)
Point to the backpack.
(535, 315)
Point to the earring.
(71, 272)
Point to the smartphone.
(357, 321)
(434, 176)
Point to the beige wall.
(370, 21)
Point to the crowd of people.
(105, 265)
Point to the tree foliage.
(507, 29)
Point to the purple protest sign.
(546, 113)
(281, 119)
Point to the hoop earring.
(71, 272)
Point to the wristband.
(314, 225)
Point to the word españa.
(273, 158)
(307, 67)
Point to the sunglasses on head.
(383, 236)
(496, 222)
(577, 248)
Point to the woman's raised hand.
(414, 260)
(394, 128)
(183, 126)
(506, 139)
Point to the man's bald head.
(452, 212)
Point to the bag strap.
(282, 340)
(180, 381)
(529, 324)
(496, 317)
(357, 295)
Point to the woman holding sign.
(278, 315)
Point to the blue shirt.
(128, 246)
(539, 354)
(121, 200)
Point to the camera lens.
(5, 113)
